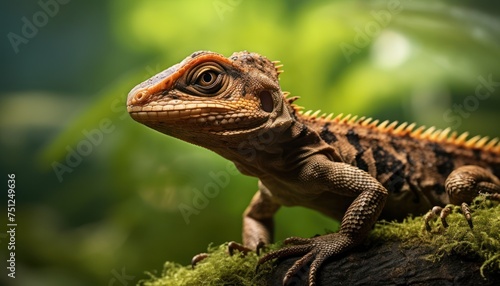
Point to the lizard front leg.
(462, 186)
(369, 199)
(258, 222)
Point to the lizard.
(355, 170)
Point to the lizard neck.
(278, 149)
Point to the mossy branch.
(395, 253)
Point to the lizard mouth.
(174, 112)
(212, 117)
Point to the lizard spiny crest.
(405, 129)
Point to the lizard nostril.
(139, 96)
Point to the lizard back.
(412, 163)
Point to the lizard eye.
(207, 80)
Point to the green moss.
(483, 242)
(217, 269)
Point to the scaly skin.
(350, 169)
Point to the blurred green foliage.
(116, 214)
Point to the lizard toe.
(285, 252)
(297, 266)
(197, 258)
(314, 250)
(317, 258)
(233, 245)
(315, 265)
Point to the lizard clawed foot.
(316, 249)
(442, 213)
(231, 247)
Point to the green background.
(115, 211)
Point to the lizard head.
(207, 98)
